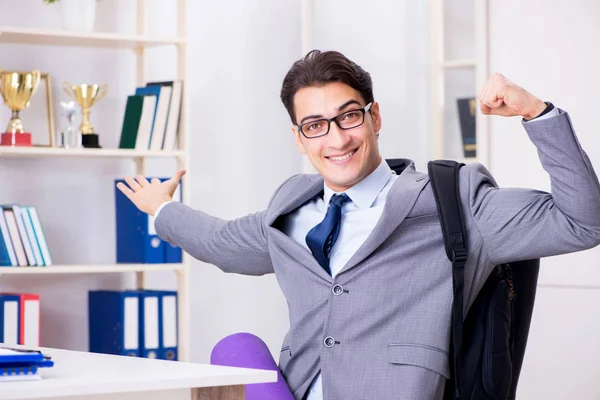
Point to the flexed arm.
(518, 223)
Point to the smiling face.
(342, 157)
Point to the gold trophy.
(86, 95)
(17, 89)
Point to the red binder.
(29, 320)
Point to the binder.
(168, 317)
(29, 319)
(150, 323)
(113, 318)
(9, 319)
(137, 241)
(173, 253)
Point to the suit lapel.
(288, 203)
(294, 199)
(399, 201)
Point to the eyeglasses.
(346, 120)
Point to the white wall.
(544, 46)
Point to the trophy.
(17, 88)
(87, 95)
(69, 137)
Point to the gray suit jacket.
(390, 326)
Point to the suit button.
(329, 341)
(337, 290)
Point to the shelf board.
(467, 160)
(33, 151)
(17, 35)
(459, 63)
(90, 269)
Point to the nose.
(338, 138)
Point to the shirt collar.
(364, 193)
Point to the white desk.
(87, 375)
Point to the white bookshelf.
(83, 152)
(440, 64)
(50, 37)
(90, 269)
(137, 43)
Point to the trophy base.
(15, 139)
(90, 141)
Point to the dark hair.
(320, 68)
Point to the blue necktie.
(322, 237)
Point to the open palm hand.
(148, 196)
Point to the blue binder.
(168, 322)
(114, 322)
(10, 305)
(137, 241)
(149, 322)
(173, 253)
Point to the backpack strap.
(443, 175)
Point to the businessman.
(358, 250)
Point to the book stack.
(22, 239)
(135, 323)
(22, 364)
(151, 119)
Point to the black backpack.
(488, 345)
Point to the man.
(370, 296)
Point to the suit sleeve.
(237, 246)
(518, 224)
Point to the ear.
(376, 116)
(298, 137)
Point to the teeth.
(341, 157)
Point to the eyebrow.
(340, 108)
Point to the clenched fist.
(148, 196)
(499, 96)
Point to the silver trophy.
(70, 137)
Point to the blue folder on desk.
(137, 241)
(21, 364)
(114, 322)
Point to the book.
(466, 114)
